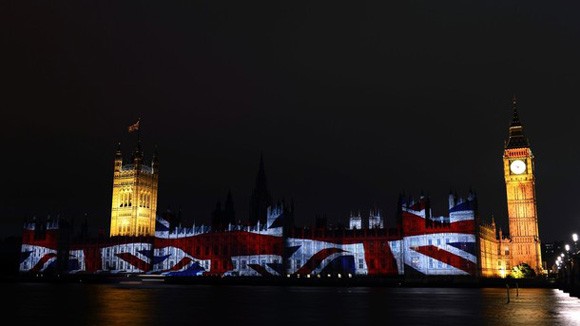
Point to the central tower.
(260, 199)
(134, 205)
(518, 163)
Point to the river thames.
(134, 303)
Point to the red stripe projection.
(316, 259)
(379, 258)
(182, 263)
(48, 241)
(260, 269)
(219, 247)
(42, 261)
(133, 260)
(416, 225)
(447, 257)
(93, 259)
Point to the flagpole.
(137, 168)
(138, 130)
(137, 194)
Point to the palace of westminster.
(458, 243)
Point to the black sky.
(351, 103)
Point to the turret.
(118, 159)
(155, 162)
(229, 213)
(216, 216)
(137, 156)
(399, 211)
(451, 200)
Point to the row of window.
(126, 200)
(127, 230)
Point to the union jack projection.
(420, 243)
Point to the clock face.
(518, 166)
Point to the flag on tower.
(134, 127)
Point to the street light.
(575, 239)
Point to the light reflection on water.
(123, 306)
(164, 304)
(531, 307)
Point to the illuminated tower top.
(134, 203)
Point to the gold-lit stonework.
(493, 253)
(519, 178)
(134, 204)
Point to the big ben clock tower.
(518, 162)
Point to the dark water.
(165, 304)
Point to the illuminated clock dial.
(518, 166)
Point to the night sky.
(350, 103)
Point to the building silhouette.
(221, 217)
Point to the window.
(244, 264)
(361, 263)
(415, 261)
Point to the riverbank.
(354, 281)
